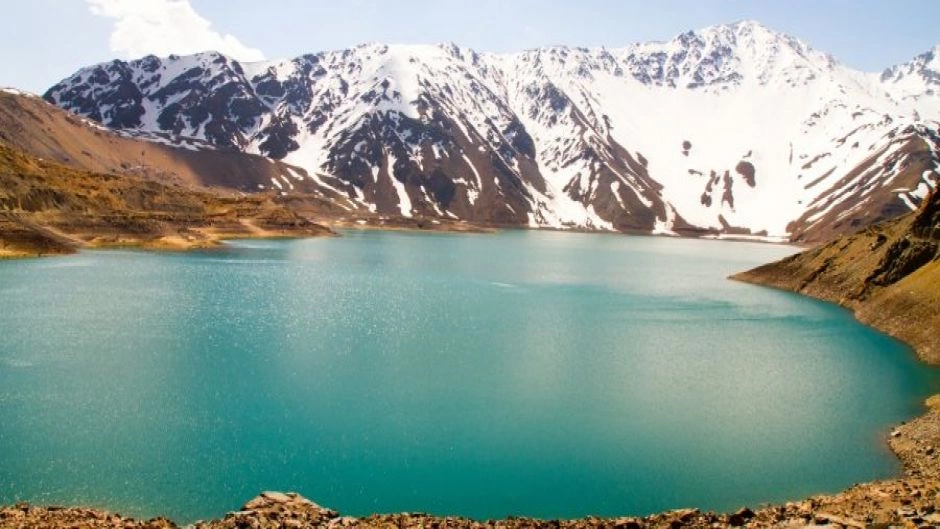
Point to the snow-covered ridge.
(916, 81)
(733, 129)
(16, 92)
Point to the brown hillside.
(45, 131)
(47, 208)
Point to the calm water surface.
(544, 374)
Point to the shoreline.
(215, 237)
(919, 353)
(193, 239)
(911, 498)
(210, 238)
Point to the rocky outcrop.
(927, 222)
(275, 509)
(901, 259)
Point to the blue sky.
(46, 40)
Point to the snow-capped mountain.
(917, 79)
(732, 129)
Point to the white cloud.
(164, 27)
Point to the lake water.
(528, 373)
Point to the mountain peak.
(739, 26)
(725, 55)
(732, 127)
(932, 58)
(915, 78)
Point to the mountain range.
(731, 130)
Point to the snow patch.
(404, 201)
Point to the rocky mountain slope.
(889, 274)
(47, 208)
(31, 125)
(732, 129)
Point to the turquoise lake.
(528, 373)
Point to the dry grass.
(47, 208)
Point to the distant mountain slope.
(732, 129)
(34, 126)
(889, 274)
(47, 208)
(886, 184)
(917, 80)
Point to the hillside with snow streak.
(730, 130)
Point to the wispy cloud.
(163, 27)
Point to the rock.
(933, 402)
(277, 497)
(684, 515)
(626, 523)
(277, 509)
(740, 517)
(344, 521)
(844, 522)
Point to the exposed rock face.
(927, 222)
(901, 259)
(746, 169)
(19, 240)
(561, 137)
(889, 274)
(275, 509)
